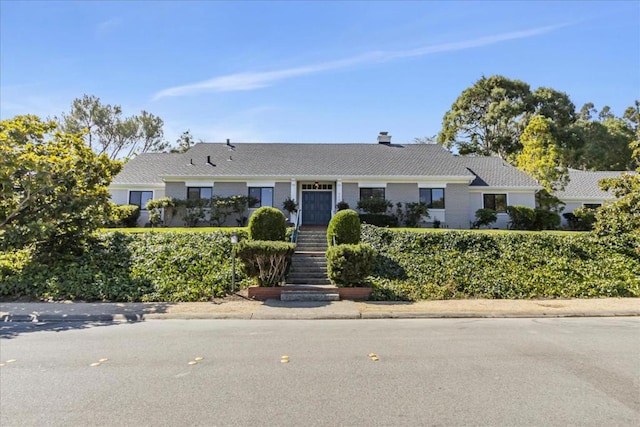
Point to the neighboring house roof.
(256, 160)
(495, 172)
(583, 185)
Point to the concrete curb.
(497, 315)
(134, 317)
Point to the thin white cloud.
(105, 27)
(256, 80)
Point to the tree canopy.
(540, 156)
(490, 117)
(53, 187)
(108, 132)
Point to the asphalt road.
(436, 372)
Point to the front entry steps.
(307, 279)
(309, 293)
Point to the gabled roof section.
(583, 185)
(495, 172)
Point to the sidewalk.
(275, 309)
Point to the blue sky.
(308, 71)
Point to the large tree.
(602, 140)
(487, 118)
(622, 215)
(109, 132)
(53, 187)
(540, 156)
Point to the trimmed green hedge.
(349, 265)
(267, 223)
(266, 261)
(345, 227)
(128, 267)
(467, 264)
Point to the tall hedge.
(471, 264)
(128, 267)
(267, 223)
(345, 227)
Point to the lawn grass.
(173, 229)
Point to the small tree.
(415, 212)
(53, 188)
(156, 207)
(375, 205)
(485, 217)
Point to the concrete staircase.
(307, 279)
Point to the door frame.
(308, 184)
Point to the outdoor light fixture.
(234, 242)
(316, 185)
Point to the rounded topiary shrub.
(267, 223)
(345, 227)
(349, 265)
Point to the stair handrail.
(296, 227)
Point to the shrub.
(415, 212)
(469, 264)
(522, 217)
(155, 208)
(342, 205)
(374, 205)
(266, 261)
(581, 219)
(484, 218)
(379, 220)
(349, 265)
(126, 215)
(546, 219)
(267, 223)
(128, 267)
(344, 227)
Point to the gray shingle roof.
(495, 172)
(320, 160)
(584, 185)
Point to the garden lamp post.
(234, 241)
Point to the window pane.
(134, 198)
(144, 198)
(254, 196)
(367, 193)
(437, 198)
(425, 196)
(592, 205)
(501, 202)
(267, 197)
(206, 192)
(489, 201)
(193, 193)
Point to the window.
(497, 202)
(433, 197)
(260, 196)
(317, 186)
(370, 193)
(197, 193)
(592, 205)
(140, 198)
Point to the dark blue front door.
(316, 207)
